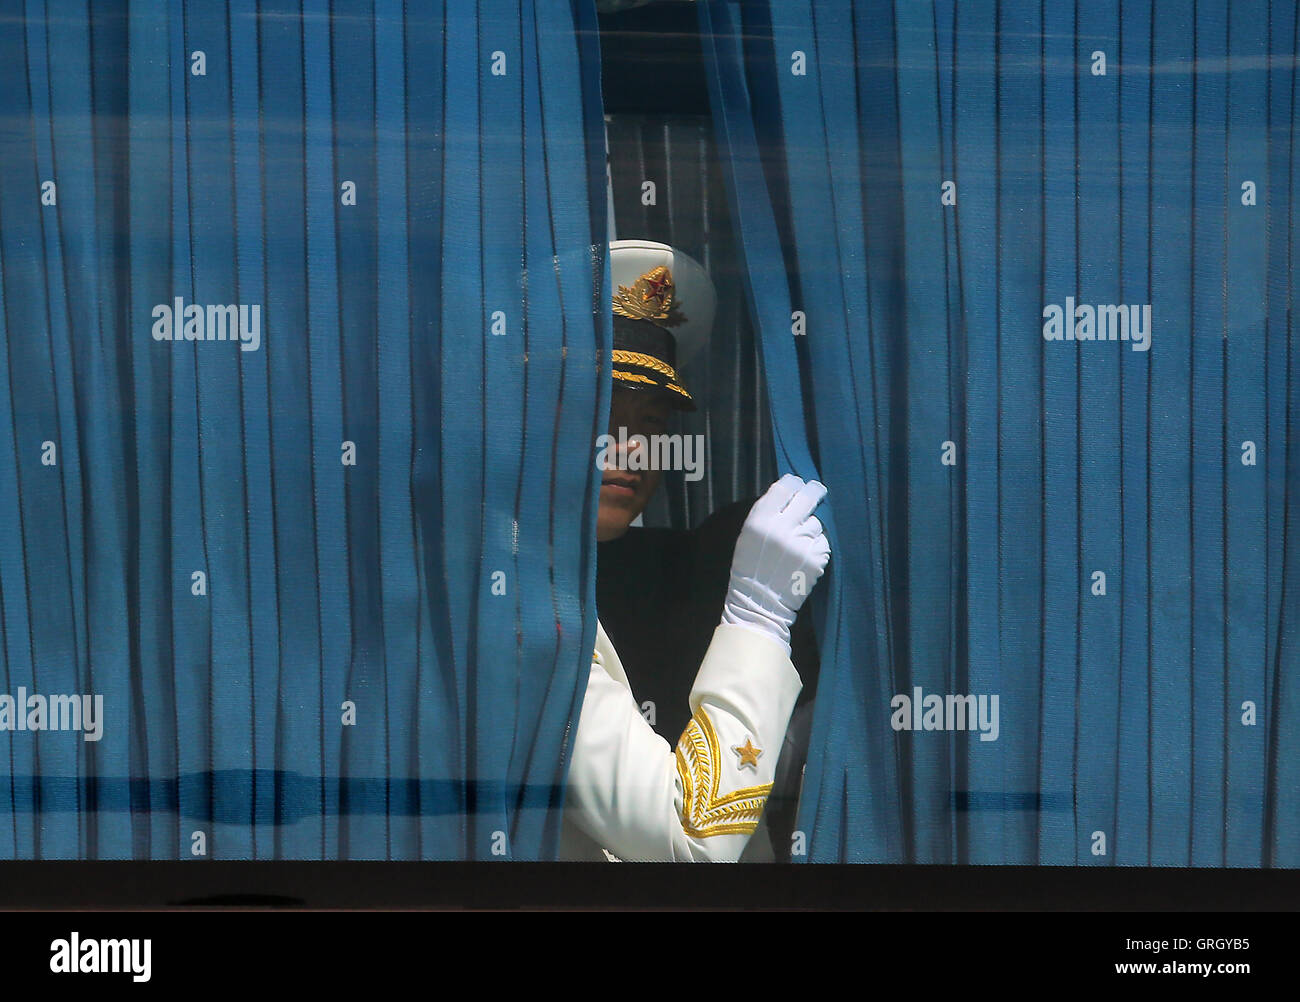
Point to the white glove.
(780, 554)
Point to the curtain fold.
(303, 335)
(965, 200)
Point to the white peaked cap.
(694, 299)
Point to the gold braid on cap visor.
(622, 357)
(645, 361)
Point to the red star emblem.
(659, 288)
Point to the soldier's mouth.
(620, 486)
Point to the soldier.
(630, 794)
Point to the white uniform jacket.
(630, 794)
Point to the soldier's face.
(625, 492)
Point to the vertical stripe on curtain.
(331, 571)
(1098, 533)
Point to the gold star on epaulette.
(748, 754)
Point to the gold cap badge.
(650, 298)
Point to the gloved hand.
(780, 554)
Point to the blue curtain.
(333, 581)
(1101, 533)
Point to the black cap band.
(645, 357)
